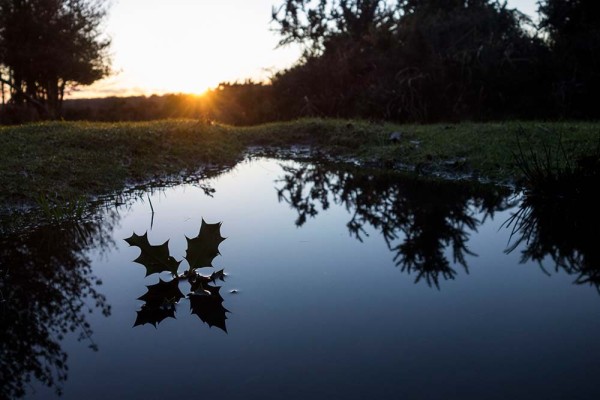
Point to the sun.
(178, 71)
(169, 50)
(188, 46)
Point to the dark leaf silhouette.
(209, 307)
(205, 247)
(160, 302)
(161, 298)
(163, 293)
(154, 314)
(218, 275)
(156, 259)
(198, 283)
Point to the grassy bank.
(79, 159)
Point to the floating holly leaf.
(205, 247)
(209, 307)
(156, 259)
(218, 275)
(163, 293)
(160, 299)
(160, 302)
(154, 314)
(198, 283)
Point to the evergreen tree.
(49, 46)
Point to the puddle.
(330, 283)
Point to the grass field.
(80, 159)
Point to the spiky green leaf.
(209, 307)
(156, 259)
(205, 247)
(163, 293)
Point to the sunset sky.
(171, 46)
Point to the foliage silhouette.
(423, 60)
(317, 23)
(203, 248)
(47, 288)
(402, 60)
(559, 217)
(49, 46)
(415, 225)
(573, 31)
(209, 307)
(161, 299)
(156, 259)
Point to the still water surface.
(339, 284)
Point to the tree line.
(401, 60)
(430, 60)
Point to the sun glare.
(188, 46)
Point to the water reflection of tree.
(563, 226)
(47, 287)
(418, 219)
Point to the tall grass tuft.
(57, 209)
(559, 216)
(552, 171)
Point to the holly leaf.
(198, 283)
(154, 314)
(156, 259)
(217, 275)
(209, 307)
(205, 247)
(162, 294)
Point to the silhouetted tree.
(573, 29)
(48, 46)
(472, 59)
(314, 23)
(410, 59)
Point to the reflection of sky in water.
(321, 315)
